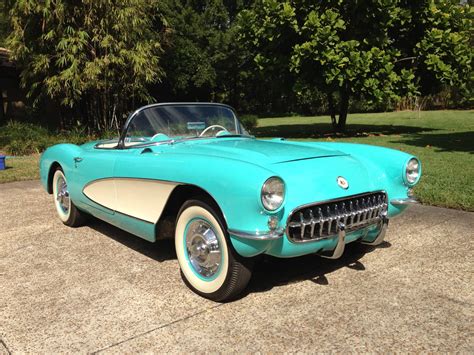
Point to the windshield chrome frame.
(121, 142)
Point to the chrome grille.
(323, 220)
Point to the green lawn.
(20, 168)
(443, 140)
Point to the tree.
(438, 36)
(5, 7)
(372, 49)
(94, 57)
(202, 57)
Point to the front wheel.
(67, 211)
(209, 265)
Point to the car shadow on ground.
(323, 130)
(268, 272)
(161, 250)
(271, 272)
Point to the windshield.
(181, 121)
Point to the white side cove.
(139, 198)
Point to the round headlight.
(412, 171)
(273, 193)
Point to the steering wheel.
(159, 137)
(211, 127)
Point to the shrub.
(18, 138)
(249, 121)
(23, 138)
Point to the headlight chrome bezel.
(409, 175)
(264, 192)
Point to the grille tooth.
(335, 217)
(313, 223)
(323, 219)
(320, 215)
(375, 214)
(357, 217)
(344, 214)
(303, 226)
(351, 213)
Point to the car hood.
(260, 152)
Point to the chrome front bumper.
(404, 201)
(341, 236)
(268, 235)
(380, 218)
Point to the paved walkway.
(98, 289)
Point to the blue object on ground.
(2, 162)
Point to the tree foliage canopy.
(372, 49)
(5, 5)
(94, 56)
(98, 59)
(201, 58)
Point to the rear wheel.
(67, 211)
(209, 264)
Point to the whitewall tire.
(65, 208)
(209, 264)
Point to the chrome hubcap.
(203, 248)
(62, 194)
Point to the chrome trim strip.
(404, 201)
(318, 157)
(268, 235)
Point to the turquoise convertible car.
(191, 172)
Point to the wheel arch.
(166, 224)
(59, 155)
(53, 167)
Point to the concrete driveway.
(98, 289)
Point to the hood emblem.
(342, 182)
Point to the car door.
(93, 184)
(110, 187)
(141, 193)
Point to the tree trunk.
(343, 109)
(339, 123)
(332, 111)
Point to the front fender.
(389, 162)
(367, 168)
(62, 154)
(234, 184)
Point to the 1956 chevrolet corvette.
(191, 172)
